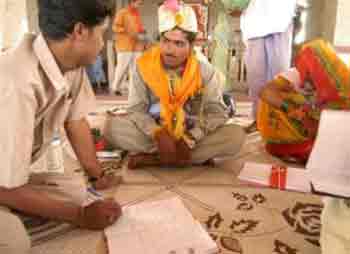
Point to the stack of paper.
(109, 155)
(296, 180)
(160, 227)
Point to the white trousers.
(125, 61)
(335, 233)
(265, 58)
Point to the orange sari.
(317, 62)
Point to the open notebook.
(328, 169)
(159, 227)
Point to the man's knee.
(233, 137)
(115, 129)
(14, 239)
(122, 133)
(225, 141)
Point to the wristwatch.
(93, 179)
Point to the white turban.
(184, 18)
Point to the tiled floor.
(241, 219)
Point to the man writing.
(50, 91)
(176, 115)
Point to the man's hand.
(107, 181)
(167, 147)
(183, 153)
(99, 215)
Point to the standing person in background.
(267, 28)
(130, 41)
(96, 74)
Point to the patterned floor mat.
(240, 219)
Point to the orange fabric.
(274, 124)
(156, 78)
(139, 26)
(125, 25)
(299, 151)
(316, 62)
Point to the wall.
(329, 18)
(342, 30)
(13, 22)
(32, 15)
(319, 20)
(324, 18)
(2, 22)
(149, 13)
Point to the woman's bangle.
(285, 106)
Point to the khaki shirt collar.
(49, 64)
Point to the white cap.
(184, 18)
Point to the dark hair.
(190, 36)
(57, 18)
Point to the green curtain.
(223, 40)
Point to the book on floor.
(328, 169)
(159, 227)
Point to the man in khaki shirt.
(43, 88)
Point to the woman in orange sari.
(291, 104)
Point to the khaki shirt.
(207, 110)
(35, 101)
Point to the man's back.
(18, 63)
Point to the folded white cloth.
(184, 18)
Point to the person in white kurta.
(267, 28)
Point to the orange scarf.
(154, 75)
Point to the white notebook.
(329, 162)
(160, 227)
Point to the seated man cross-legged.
(176, 114)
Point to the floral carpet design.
(241, 219)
